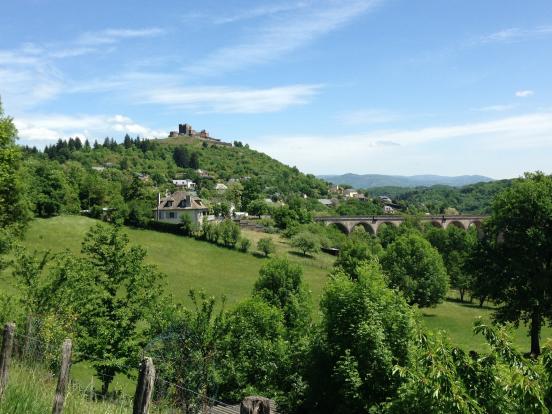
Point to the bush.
(244, 244)
(266, 246)
(229, 233)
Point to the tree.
(455, 245)
(122, 291)
(229, 233)
(266, 246)
(258, 208)
(519, 234)
(355, 252)
(186, 224)
(181, 157)
(280, 284)
(367, 330)
(306, 242)
(416, 268)
(13, 207)
(189, 350)
(254, 350)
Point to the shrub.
(266, 246)
(244, 244)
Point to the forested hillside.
(124, 178)
(470, 199)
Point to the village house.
(335, 189)
(327, 202)
(350, 193)
(187, 184)
(221, 187)
(388, 209)
(172, 207)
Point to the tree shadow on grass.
(260, 255)
(473, 305)
(299, 254)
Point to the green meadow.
(192, 264)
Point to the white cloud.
(284, 35)
(231, 100)
(29, 75)
(52, 127)
(516, 34)
(525, 93)
(262, 11)
(110, 36)
(358, 152)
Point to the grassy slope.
(219, 271)
(188, 263)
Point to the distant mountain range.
(377, 180)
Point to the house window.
(161, 215)
(168, 204)
(172, 215)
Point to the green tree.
(13, 206)
(353, 253)
(254, 350)
(122, 291)
(520, 239)
(416, 268)
(445, 379)
(258, 208)
(266, 246)
(186, 224)
(190, 353)
(306, 242)
(229, 233)
(455, 245)
(367, 330)
(280, 284)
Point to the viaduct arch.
(372, 223)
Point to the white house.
(221, 187)
(187, 184)
(350, 193)
(171, 208)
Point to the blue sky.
(331, 86)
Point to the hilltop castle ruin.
(203, 135)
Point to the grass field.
(189, 263)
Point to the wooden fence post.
(63, 379)
(5, 356)
(144, 387)
(255, 405)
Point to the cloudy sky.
(331, 86)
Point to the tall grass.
(31, 391)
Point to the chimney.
(188, 200)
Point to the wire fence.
(42, 357)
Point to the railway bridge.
(372, 223)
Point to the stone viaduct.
(372, 223)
